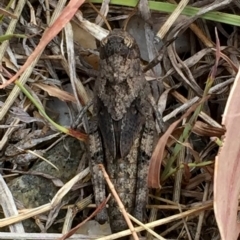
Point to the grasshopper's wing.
(131, 125)
(106, 126)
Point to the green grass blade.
(188, 11)
(40, 108)
(9, 36)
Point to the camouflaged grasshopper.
(122, 129)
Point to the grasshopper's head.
(119, 42)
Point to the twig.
(119, 202)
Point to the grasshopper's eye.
(134, 110)
(104, 42)
(128, 42)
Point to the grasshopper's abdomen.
(123, 174)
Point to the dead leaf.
(56, 92)
(24, 116)
(83, 38)
(204, 129)
(227, 168)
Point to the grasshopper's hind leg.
(96, 158)
(145, 152)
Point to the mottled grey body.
(122, 129)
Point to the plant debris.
(49, 63)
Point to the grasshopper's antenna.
(130, 16)
(104, 19)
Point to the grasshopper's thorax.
(120, 78)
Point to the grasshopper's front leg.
(145, 152)
(96, 158)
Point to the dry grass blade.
(146, 228)
(201, 217)
(10, 130)
(166, 220)
(71, 213)
(229, 61)
(95, 30)
(10, 30)
(104, 11)
(203, 115)
(11, 27)
(191, 61)
(41, 236)
(8, 206)
(71, 62)
(44, 159)
(102, 16)
(184, 72)
(173, 17)
(67, 187)
(119, 202)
